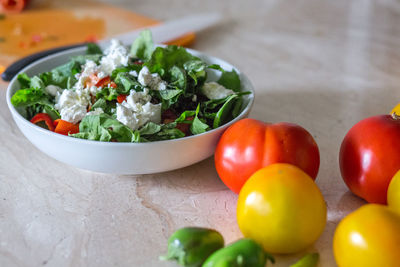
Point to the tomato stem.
(395, 116)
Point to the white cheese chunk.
(151, 80)
(115, 56)
(88, 69)
(96, 111)
(213, 90)
(72, 106)
(137, 110)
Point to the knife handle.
(18, 65)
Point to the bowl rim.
(35, 127)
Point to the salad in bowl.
(142, 94)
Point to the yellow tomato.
(369, 236)
(393, 194)
(281, 208)
(396, 110)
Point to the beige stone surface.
(322, 64)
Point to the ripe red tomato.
(248, 145)
(370, 156)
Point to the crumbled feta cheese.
(152, 80)
(133, 73)
(137, 110)
(194, 98)
(53, 90)
(101, 74)
(213, 90)
(115, 56)
(72, 106)
(96, 111)
(88, 69)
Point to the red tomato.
(248, 145)
(370, 156)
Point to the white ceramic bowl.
(123, 158)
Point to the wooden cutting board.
(47, 24)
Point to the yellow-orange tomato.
(281, 208)
(396, 110)
(368, 237)
(393, 194)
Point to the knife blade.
(164, 32)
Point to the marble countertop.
(324, 65)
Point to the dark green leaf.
(133, 67)
(126, 82)
(24, 80)
(177, 78)
(183, 118)
(93, 49)
(163, 59)
(225, 112)
(106, 106)
(143, 46)
(196, 70)
(230, 80)
(197, 126)
(237, 107)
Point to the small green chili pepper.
(191, 246)
(309, 260)
(244, 253)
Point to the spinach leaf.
(196, 69)
(230, 80)
(164, 59)
(126, 82)
(104, 128)
(167, 97)
(177, 76)
(93, 49)
(224, 114)
(197, 126)
(183, 118)
(156, 132)
(133, 67)
(237, 108)
(143, 46)
(106, 106)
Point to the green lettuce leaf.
(24, 80)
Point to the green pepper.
(244, 253)
(309, 260)
(191, 246)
